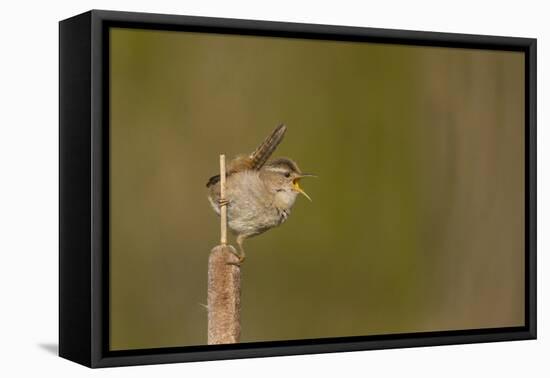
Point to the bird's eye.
(287, 175)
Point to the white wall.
(28, 188)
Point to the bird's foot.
(240, 256)
(223, 202)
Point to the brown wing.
(257, 159)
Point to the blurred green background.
(417, 216)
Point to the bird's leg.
(240, 253)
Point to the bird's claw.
(240, 256)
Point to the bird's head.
(283, 177)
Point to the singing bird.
(259, 193)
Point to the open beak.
(296, 185)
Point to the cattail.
(224, 282)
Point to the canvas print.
(368, 188)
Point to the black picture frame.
(84, 194)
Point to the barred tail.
(257, 159)
(268, 146)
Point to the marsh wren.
(259, 193)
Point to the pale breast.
(250, 210)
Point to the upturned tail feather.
(257, 159)
(268, 146)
